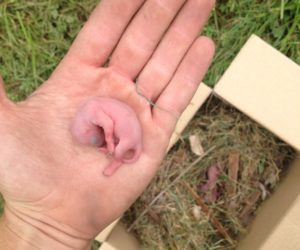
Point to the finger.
(183, 32)
(143, 35)
(184, 84)
(101, 33)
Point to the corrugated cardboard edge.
(202, 93)
(199, 98)
(265, 85)
(121, 239)
(105, 233)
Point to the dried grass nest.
(210, 184)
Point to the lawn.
(35, 35)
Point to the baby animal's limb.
(112, 167)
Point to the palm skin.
(66, 176)
(47, 177)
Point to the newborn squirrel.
(111, 125)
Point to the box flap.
(106, 232)
(199, 98)
(107, 246)
(120, 239)
(277, 224)
(265, 85)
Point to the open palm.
(47, 175)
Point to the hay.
(176, 212)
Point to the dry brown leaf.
(249, 169)
(154, 216)
(263, 190)
(210, 188)
(232, 204)
(250, 203)
(195, 145)
(218, 225)
(233, 169)
(179, 155)
(196, 211)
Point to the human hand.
(55, 192)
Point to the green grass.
(233, 21)
(35, 35)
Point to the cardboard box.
(265, 85)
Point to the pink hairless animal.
(112, 126)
